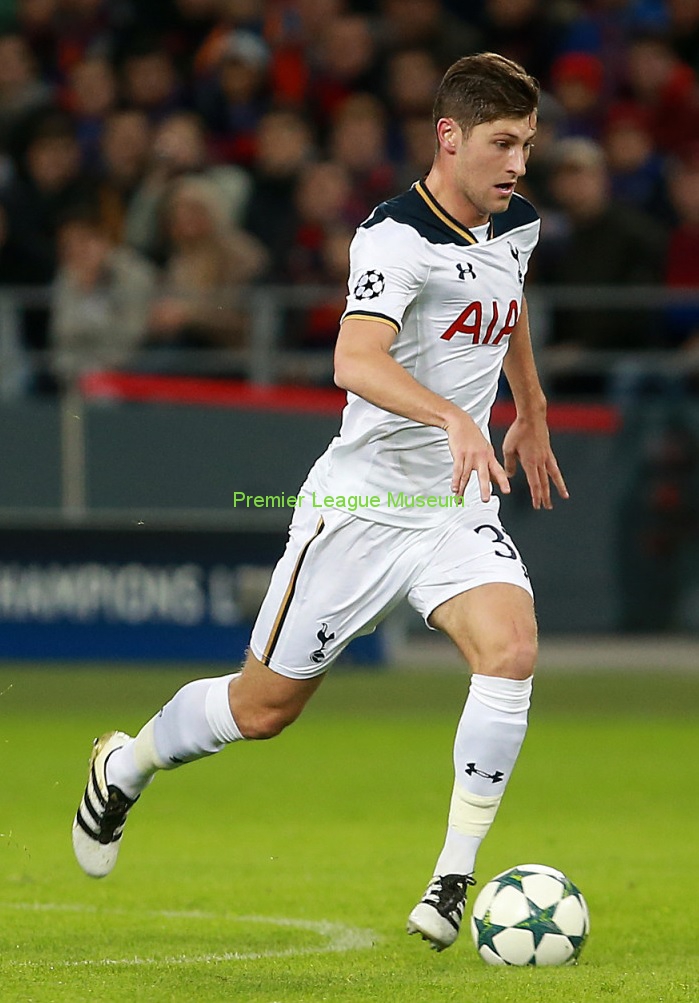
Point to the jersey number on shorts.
(508, 550)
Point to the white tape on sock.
(145, 754)
(472, 814)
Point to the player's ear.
(448, 135)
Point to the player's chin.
(501, 199)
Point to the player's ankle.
(123, 772)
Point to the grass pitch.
(284, 871)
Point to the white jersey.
(453, 296)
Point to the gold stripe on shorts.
(288, 596)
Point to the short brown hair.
(483, 88)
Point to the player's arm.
(527, 440)
(364, 366)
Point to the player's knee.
(514, 660)
(260, 723)
(264, 703)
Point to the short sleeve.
(385, 273)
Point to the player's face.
(490, 160)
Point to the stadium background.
(179, 182)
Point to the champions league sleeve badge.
(370, 284)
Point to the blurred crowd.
(157, 158)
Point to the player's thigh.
(476, 589)
(337, 579)
(494, 628)
(263, 702)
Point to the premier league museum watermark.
(351, 503)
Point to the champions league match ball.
(530, 915)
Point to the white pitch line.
(339, 937)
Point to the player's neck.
(443, 189)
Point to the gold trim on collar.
(422, 190)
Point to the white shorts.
(340, 576)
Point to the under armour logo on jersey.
(319, 655)
(496, 777)
(465, 270)
(369, 285)
(514, 251)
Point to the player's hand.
(527, 443)
(471, 451)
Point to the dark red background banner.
(208, 392)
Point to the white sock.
(488, 739)
(197, 722)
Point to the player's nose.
(519, 165)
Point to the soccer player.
(435, 311)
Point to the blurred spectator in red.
(190, 22)
(125, 153)
(323, 200)
(150, 82)
(527, 31)
(179, 25)
(81, 28)
(344, 61)
(100, 299)
(318, 326)
(234, 96)
(21, 88)
(665, 88)
(322, 327)
(576, 84)
(179, 147)
(291, 28)
(285, 145)
(61, 32)
(209, 262)
(603, 28)
(319, 256)
(425, 24)
(359, 142)
(232, 77)
(90, 96)
(637, 171)
(682, 266)
(232, 16)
